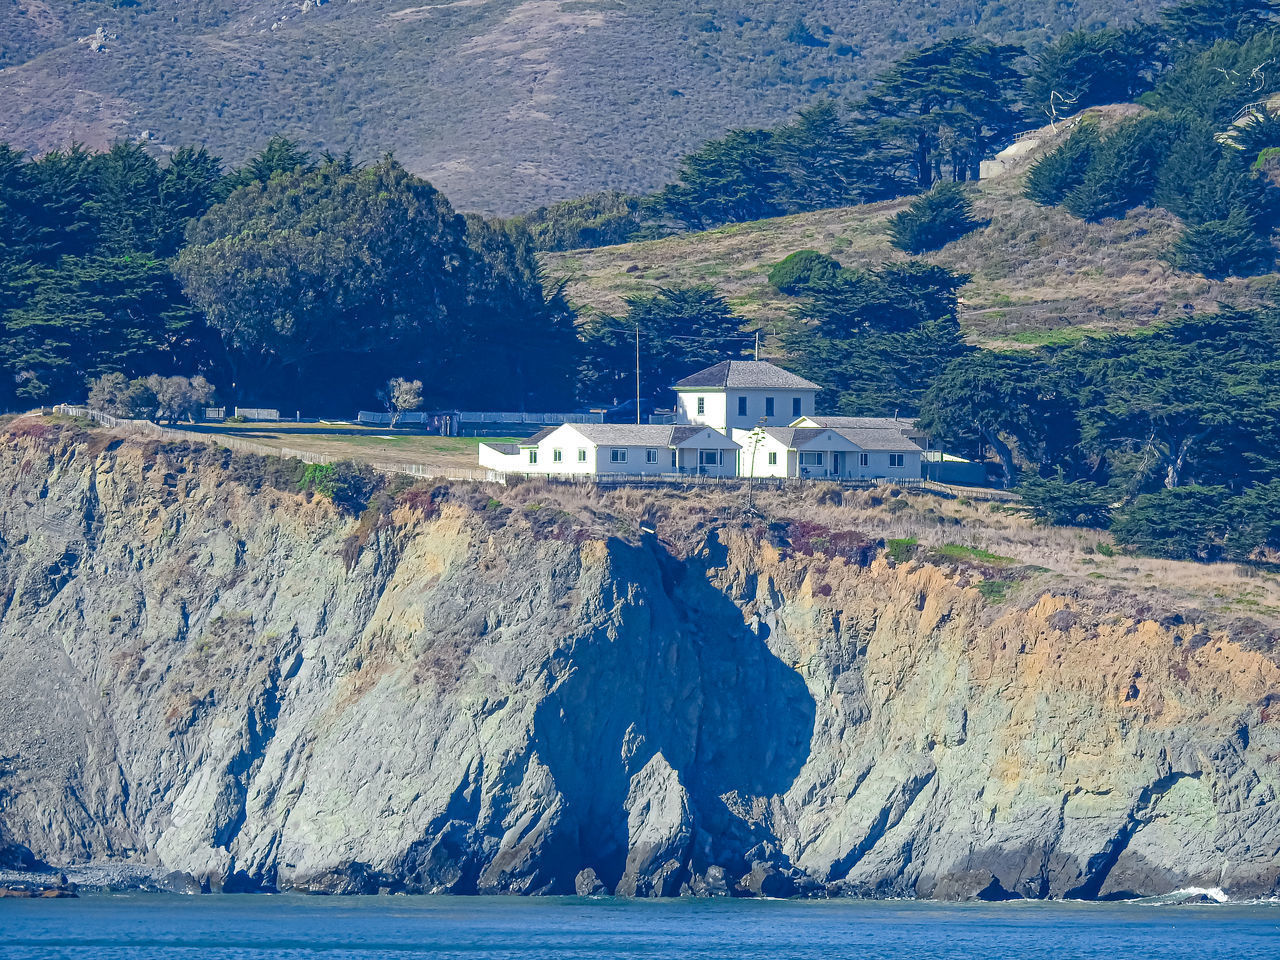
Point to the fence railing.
(543, 419)
(257, 413)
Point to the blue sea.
(131, 926)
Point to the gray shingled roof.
(538, 437)
(508, 449)
(745, 374)
(793, 437)
(890, 440)
(647, 435)
(865, 423)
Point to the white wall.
(726, 465)
(878, 468)
(569, 442)
(714, 409)
(636, 463)
(722, 407)
(784, 465)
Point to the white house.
(602, 449)
(743, 394)
(815, 452)
(902, 425)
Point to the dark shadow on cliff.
(675, 672)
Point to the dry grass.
(447, 454)
(1077, 562)
(1037, 271)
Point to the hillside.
(501, 103)
(522, 690)
(1038, 274)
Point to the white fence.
(257, 413)
(215, 413)
(537, 419)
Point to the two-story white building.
(604, 449)
(742, 395)
(737, 418)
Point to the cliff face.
(252, 690)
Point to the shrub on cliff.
(348, 484)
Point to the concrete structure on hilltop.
(742, 418)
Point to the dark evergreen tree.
(732, 180)
(933, 220)
(944, 106)
(1224, 248)
(1204, 22)
(681, 329)
(1056, 174)
(1090, 67)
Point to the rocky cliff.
(202, 674)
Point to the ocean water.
(134, 926)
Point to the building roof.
(891, 440)
(865, 423)
(745, 374)
(538, 437)
(794, 437)
(647, 435)
(507, 449)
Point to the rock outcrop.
(249, 691)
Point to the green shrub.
(1059, 503)
(348, 484)
(798, 272)
(900, 551)
(1185, 523)
(996, 591)
(933, 220)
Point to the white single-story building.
(601, 449)
(903, 425)
(817, 452)
(743, 394)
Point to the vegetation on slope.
(503, 104)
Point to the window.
(651, 456)
(810, 459)
(702, 405)
(617, 456)
(768, 406)
(710, 458)
(897, 459)
(582, 454)
(533, 456)
(742, 406)
(773, 458)
(673, 459)
(795, 406)
(864, 460)
(557, 456)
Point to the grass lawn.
(360, 443)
